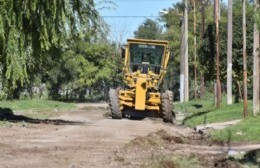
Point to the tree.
(256, 63)
(172, 24)
(173, 20)
(203, 4)
(149, 29)
(195, 47)
(84, 66)
(30, 29)
(208, 47)
(217, 8)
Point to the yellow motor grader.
(145, 63)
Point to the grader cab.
(145, 63)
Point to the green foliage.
(149, 30)
(206, 44)
(84, 66)
(172, 34)
(15, 58)
(257, 16)
(31, 30)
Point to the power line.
(130, 16)
(140, 0)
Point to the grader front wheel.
(166, 107)
(114, 104)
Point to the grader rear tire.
(114, 104)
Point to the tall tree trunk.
(256, 66)
(202, 82)
(244, 61)
(229, 53)
(195, 49)
(202, 85)
(240, 96)
(217, 53)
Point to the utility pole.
(244, 61)
(182, 61)
(229, 52)
(256, 65)
(184, 76)
(217, 54)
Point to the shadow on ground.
(252, 157)
(197, 106)
(196, 115)
(6, 114)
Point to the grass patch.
(204, 112)
(245, 131)
(36, 105)
(195, 106)
(40, 109)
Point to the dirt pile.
(154, 140)
(162, 149)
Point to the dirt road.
(88, 138)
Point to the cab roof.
(147, 41)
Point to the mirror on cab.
(123, 51)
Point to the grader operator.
(145, 63)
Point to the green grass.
(247, 130)
(36, 105)
(195, 106)
(40, 109)
(204, 112)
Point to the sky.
(122, 28)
